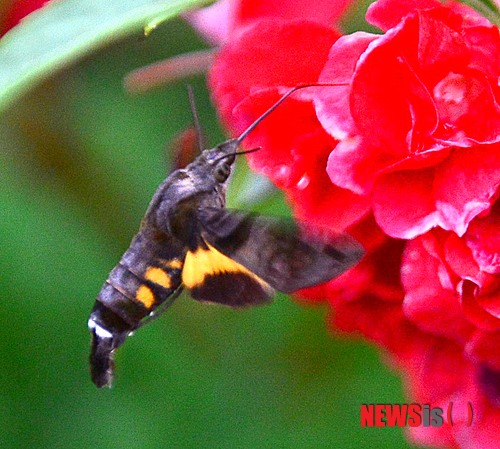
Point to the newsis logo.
(412, 415)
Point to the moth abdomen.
(117, 300)
(133, 290)
(146, 289)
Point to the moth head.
(222, 164)
(222, 167)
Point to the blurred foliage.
(63, 31)
(79, 162)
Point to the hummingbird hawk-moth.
(188, 239)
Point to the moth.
(188, 239)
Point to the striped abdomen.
(146, 276)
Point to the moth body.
(188, 239)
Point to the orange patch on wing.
(210, 262)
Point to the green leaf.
(487, 8)
(65, 30)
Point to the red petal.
(459, 258)
(403, 203)
(468, 111)
(281, 136)
(471, 17)
(473, 309)
(314, 198)
(483, 238)
(436, 368)
(272, 53)
(483, 347)
(465, 185)
(491, 304)
(441, 49)
(294, 155)
(355, 164)
(386, 14)
(389, 97)
(332, 103)
(326, 12)
(372, 238)
(323, 204)
(437, 374)
(379, 96)
(437, 312)
(427, 304)
(484, 43)
(419, 267)
(389, 102)
(381, 322)
(483, 434)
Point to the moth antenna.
(281, 100)
(196, 119)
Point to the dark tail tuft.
(102, 360)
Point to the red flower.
(243, 89)
(438, 373)
(224, 18)
(419, 123)
(412, 132)
(457, 299)
(450, 290)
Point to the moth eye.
(222, 172)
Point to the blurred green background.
(80, 160)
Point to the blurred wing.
(184, 148)
(210, 276)
(274, 250)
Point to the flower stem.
(168, 70)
